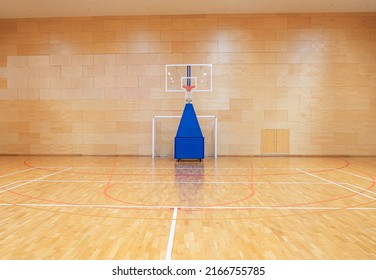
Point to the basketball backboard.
(196, 76)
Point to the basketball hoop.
(189, 88)
(188, 93)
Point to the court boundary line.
(7, 185)
(177, 208)
(359, 188)
(184, 182)
(356, 175)
(334, 183)
(34, 180)
(181, 168)
(135, 206)
(185, 207)
(321, 169)
(172, 234)
(21, 171)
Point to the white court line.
(172, 234)
(362, 208)
(364, 190)
(301, 208)
(9, 184)
(9, 174)
(183, 182)
(183, 168)
(339, 185)
(152, 207)
(28, 182)
(366, 178)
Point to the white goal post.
(175, 117)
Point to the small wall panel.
(275, 141)
(283, 141)
(268, 141)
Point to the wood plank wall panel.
(275, 141)
(91, 85)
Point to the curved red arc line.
(347, 163)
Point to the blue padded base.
(189, 148)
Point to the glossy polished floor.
(273, 208)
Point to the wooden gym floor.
(226, 208)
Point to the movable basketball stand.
(189, 141)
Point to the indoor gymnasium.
(188, 130)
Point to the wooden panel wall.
(91, 85)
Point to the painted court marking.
(17, 172)
(34, 180)
(362, 189)
(328, 182)
(182, 168)
(344, 185)
(171, 207)
(155, 207)
(182, 182)
(337, 184)
(9, 184)
(172, 234)
(175, 208)
(346, 172)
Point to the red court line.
(285, 215)
(14, 168)
(199, 219)
(346, 163)
(9, 169)
(252, 189)
(248, 218)
(111, 175)
(252, 192)
(309, 203)
(91, 215)
(321, 211)
(372, 185)
(329, 199)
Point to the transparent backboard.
(181, 76)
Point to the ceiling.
(74, 8)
